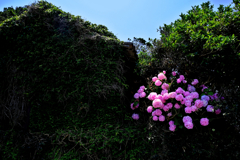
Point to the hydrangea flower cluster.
(185, 98)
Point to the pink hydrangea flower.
(186, 93)
(184, 81)
(161, 118)
(157, 103)
(164, 72)
(183, 101)
(194, 108)
(169, 114)
(179, 97)
(135, 116)
(187, 119)
(158, 83)
(182, 77)
(149, 109)
(188, 103)
(158, 112)
(140, 90)
(171, 122)
(174, 73)
(154, 113)
(177, 106)
(179, 90)
(172, 127)
(143, 94)
(142, 87)
(198, 103)
(169, 105)
(161, 76)
(172, 94)
(189, 97)
(194, 94)
(159, 96)
(165, 108)
(136, 95)
(204, 121)
(164, 91)
(188, 125)
(152, 96)
(165, 86)
(165, 96)
(154, 79)
(195, 81)
(188, 109)
(178, 80)
(218, 111)
(155, 118)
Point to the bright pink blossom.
(177, 106)
(188, 103)
(164, 91)
(172, 127)
(152, 96)
(194, 95)
(154, 79)
(198, 103)
(194, 108)
(161, 76)
(158, 83)
(179, 90)
(142, 87)
(161, 118)
(179, 97)
(172, 94)
(178, 80)
(158, 112)
(155, 118)
(195, 82)
(157, 103)
(165, 108)
(186, 93)
(188, 125)
(171, 122)
(136, 95)
(143, 94)
(165, 86)
(174, 73)
(154, 113)
(187, 119)
(149, 109)
(181, 77)
(188, 109)
(204, 121)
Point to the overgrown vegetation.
(189, 46)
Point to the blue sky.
(125, 18)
